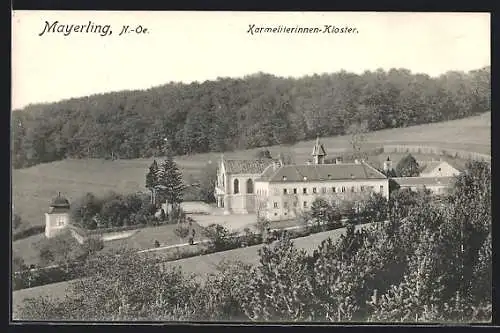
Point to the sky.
(199, 46)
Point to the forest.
(238, 113)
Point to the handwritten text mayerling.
(103, 30)
(283, 29)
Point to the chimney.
(357, 161)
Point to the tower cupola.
(319, 152)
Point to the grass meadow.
(34, 187)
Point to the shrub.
(220, 238)
(31, 231)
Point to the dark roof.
(60, 202)
(320, 172)
(424, 181)
(56, 210)
(247, 166)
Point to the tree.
(220, 238)
(171, 183)
(325, 213)
(375, 207)
(357, 132)
(263, 154)
(85, 209)
(281, 287)
(153, 180)
(62, 250)
(207, 183)
(120, 287)
(408, 167)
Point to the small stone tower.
(388, 165)
(318, 153)
(58, 216)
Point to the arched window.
(236, 186)
(249, 186)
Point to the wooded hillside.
(257, 110)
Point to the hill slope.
(34, 187)
(232, 114)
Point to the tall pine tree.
(171, 184)
(408, 167)
(153, 178)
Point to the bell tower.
(388, 165)
(318, 153)
(58, 216)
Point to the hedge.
(31, 231)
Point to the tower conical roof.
(318, 149)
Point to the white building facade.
(279, 192)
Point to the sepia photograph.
(251, 167)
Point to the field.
(33, 188)
(201, 265)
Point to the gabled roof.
(321, 172)
(423, 181)
(246, 166)
(429, 166)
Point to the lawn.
(145, 237)
(201, 265)
(33, 188)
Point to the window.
(294, 191)
(333, 189)
(249, 186)
(381, 188)
(323, 190)
(285, 204)
(295, 204)
(362, 188)
(276, 191)
(275, 205)
(343, 189)
(236, 186)
(304, 190)
(285, 191)
(352, 189)
(60, 221)
(305, 204)
(314, 189)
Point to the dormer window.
(329, 176)
(284, 178)
(305, 178)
